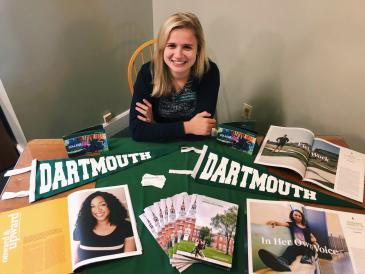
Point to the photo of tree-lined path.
(322, 165)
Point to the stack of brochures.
(193, 229)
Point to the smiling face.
(99, 209)
(180, 52)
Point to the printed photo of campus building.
(214, 238)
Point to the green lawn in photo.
(317, 163)
(172, 250)
(208, 252)
(287, 151)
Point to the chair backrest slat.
(132, 68)
(142, 57)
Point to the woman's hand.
(276, 223)
(145, 109)
(272, 223)
(200, 124)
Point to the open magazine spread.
(193, 229)
(292, 238)
(332, 167)
(72, 234)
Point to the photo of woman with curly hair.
(102, 227)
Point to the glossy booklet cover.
(289, 237)
(193, 229)
(86, 142)
(60, 235)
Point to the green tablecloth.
(153, 259)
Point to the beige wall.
(64, 63)
(299, 63)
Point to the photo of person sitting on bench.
(303, 242)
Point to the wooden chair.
(146, 48)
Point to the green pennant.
(215, 169)
(50, 177)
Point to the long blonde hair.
(162, 80)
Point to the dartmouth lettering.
(64, 173)
(229, 172)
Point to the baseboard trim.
(118, 123)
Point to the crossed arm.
(143, 124)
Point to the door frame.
(12, 119)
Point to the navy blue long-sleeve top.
(166, 128)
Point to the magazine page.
(102, 225)
(158, 230)
(354, 230)
(292, 238)
(286, 147)
(152, 216)
(182, 201)
(337, 169)
(31, 246)
(182, 206)
(149, 225)
(170, 227)
(213, 232)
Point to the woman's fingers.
(147, 103)
(142, 118)
(142, 111)
(145, 109)
(211, 121)
(142, 106)
(203, 114)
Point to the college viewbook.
(289, 237)
(335, 168)
(193, 229)
(60, 235)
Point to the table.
(44, 149)
(153, 257)
(40, 149)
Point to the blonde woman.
(175, 95)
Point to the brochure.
(90, 226)
(198, 229)
(335, 168)
(292, 238)
(89, 141)
(237, 135)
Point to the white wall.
(299, 63)
(64, 63)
